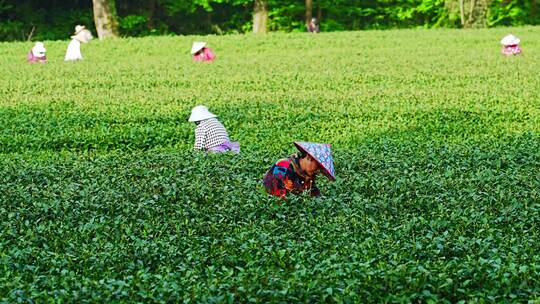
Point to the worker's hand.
(288, 184)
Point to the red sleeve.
(283, 163)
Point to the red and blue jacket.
(286, 176)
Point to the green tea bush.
(436, 140)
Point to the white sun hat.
(78, 29)
(39, 49)
(197, 46)
(199, 113)
(510, 40)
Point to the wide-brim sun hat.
(197, 46)
(322, 154)
(510, 40)
(199, 113)
(39, 49)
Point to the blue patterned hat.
(321, 153)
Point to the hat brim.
(325, 170)
(510, 40)
(83, 38)
(80, 30)
(198, 48)
(193, 118)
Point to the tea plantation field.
(436, 139)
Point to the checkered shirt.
(210, 133)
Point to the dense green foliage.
(55, 19)
(436, 139)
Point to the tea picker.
(510, 45)
(297, 173)
(201, 53)
(313, 26)
(210, 134)
(37, 53)
(81, 35)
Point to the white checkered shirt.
(210, 133)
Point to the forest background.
(55, 19)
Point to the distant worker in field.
(297, 173)
(201, 53)
(37, 53)
(82, 35)
(510, 45)
(313, 26)
(210, 134)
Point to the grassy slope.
(436, 138)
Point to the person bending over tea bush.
(37, 53)
(201, 53)
(297, 173)
(510, 45)
(313, 26)
(210, 134)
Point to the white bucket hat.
(510, 40)
(199, 113)
(197, 46)
(39, 49)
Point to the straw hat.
(510, 40)
(39, 49)
(322, 154)
(199, 113)
(197, 46)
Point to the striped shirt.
(210, 133)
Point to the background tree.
(473, 12)
(260, 16)
(309, 11)
(55, 19)
(105, 18)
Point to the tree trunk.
(105, 18)
(151, 8)
(260, 16)
(534, 11)
(309, 10)
(319, 12)
(472, 17)
(477, 16)
(462, 12)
